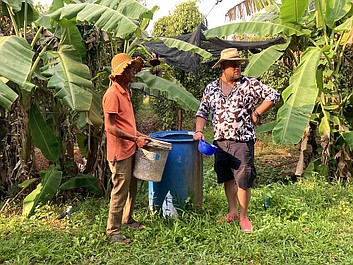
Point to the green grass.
(307, 222)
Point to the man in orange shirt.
(122, 141)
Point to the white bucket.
(150, 160)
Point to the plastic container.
(267, 202)
(206, 148)
(182, 176)
(150, 160)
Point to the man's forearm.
(123, 135)
(264, 107)
(200, 124)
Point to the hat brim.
(136, 63)
(218, 63)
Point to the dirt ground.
(282, 160)
(41, 163)
(266, 156)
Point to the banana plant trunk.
(25, 134)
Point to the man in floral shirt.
(233, 100)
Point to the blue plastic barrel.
(182, 175)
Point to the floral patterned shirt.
(231, 115)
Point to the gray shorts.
(235, 160)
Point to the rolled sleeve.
(272, 95)
(201, 113)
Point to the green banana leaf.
(7, 96)
(299, 100)
(44, 192)
(55, 5)
(95, 112)
(103, 14)
(16, 5)
(129, 8)
(292, 11)
(257, 28)
(185, 46)
(94, 115)
(261, 17)
(71, 36)
(81, 120)
(16, 59)
(44, 20)
(82, 181)
(155, 86)
(146, 21)
(345, 26)
(70, 78)
(335, 10)
(261, 62)
(320, 16)
(43, 136)
(18, 8)
(267, 127)
(28, 87)
(26, 183)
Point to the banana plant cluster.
(318, 33)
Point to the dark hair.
(113, 78)
(221, 65)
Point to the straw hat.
(230, 54)
(122, 60)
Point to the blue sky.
(216, 13)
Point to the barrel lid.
(173, 136)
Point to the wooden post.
(180, 119)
